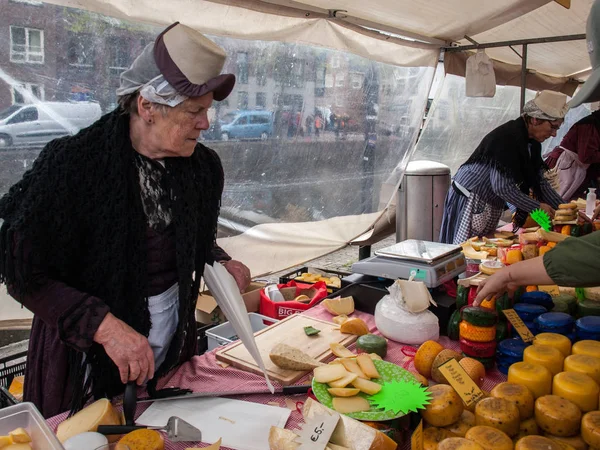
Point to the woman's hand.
(549, 209)
(128, 349)
(596, 213)
(495, 286)
(240, 273)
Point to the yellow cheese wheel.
(576, 442)
(586, 347)
(472, 406)
(498, 413)
(558, 341)
(557, 416)
(463, 424)
(143, 440)
(534, 376)
(459, 443)
(580, 388)
(425, 355)
(445, 406)
(490, 438)
(474, 369)
(476, 334)
(518, 394)
(549, 357)
(581, 363)
(432, 436)
(101, 412)
(441, 358)
(537, 443)
(527, 427)
(590, 428)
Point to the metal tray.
(417, 250)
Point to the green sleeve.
(575, 262)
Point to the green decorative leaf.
(401, 397)
(310, 331)
(542, 218)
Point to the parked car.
(246, 125)
(37, 124)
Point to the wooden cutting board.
(289, 331)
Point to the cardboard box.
(208, 312)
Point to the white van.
(36, 124)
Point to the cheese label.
(317, 431)
(516, 322)
(416, 440)
(461, 382)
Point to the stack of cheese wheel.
(588, 328)
(528, 312)
(509, 351)
(477, 332)
(556, 322)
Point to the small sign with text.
(461, 382)
(317, 431)
(519, 325)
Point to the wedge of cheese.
(100, 412)
(290, 358)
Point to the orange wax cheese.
(445, 406)
(490, 438)
(458, 443)
(432, 437)
(549, 357)
(576, 442)
(464, 424)
(579, 388)
(517, 393)
(590, 428)
(498, 413)
(586, 347)
(535, 377)
(143, 440)
(557, 416)
(537, 443)
(584, 364)
(475, 333)
(425, 355)
(558, 341)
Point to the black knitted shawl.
(79, 208)
(506, 148)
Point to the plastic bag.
(480, 79)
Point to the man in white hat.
(105, 239)
(505, 169)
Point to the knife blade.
(286, 390)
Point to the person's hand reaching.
(128, 349)
(240, 272)
(495, 286)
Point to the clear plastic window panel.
(307, 134)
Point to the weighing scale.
(432, 263)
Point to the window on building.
(356, 80)
(297, 73)
(80, 52)
(261, 99)
(19, 98)
(261, 74)
(340, 80)
(320, 75)
(26, 45)
(242, 67)
(329, 80)
(242, 100)
(119, 54)
(335, 62)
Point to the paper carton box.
(208, 312)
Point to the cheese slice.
(346, 405)
(289, 358)
(100, 412)
(19, 436)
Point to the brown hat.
(192, 63)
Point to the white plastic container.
(590, 202)
(27, 416)
(225, 334)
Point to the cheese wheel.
(528, 427)
(479, 349)
(143, 440)
(474, 369)
(576, 442)
(590, 428)
(558, 341)
(441, 358)
(579, 388)
(490, 438)
(101, 412)
(498, 413)
(587, 347)
(472, 406)
(425, 355)
(549, 357)
(444, 408)
(518, 394)
(557, 416)
(432, 436)
(537, 443)
(459, 443)
(584, 364)
(463, 424)
(534, 376)
(477, 334)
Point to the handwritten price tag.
(461, 382)
(521, 328)
(315, 433)
(416, 440)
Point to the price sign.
(521, 328)
(416, 440)
(317, 431)
(461, 382)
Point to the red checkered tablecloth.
(203, 374)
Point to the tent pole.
(544, 40)
(523, 75)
